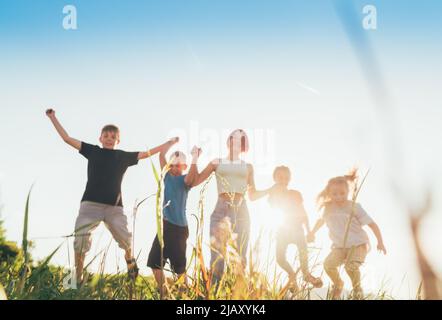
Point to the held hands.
(381, 248)
(310, 237)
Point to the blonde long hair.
(348, 180)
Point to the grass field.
(23, 278)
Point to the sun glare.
(265, 218)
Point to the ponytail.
(352, 175)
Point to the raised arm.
(203, 175)
(163, 148)
(193, 172)
(61, 131)
(253, 193)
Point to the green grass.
(23, 278)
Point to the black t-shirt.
(105, 173)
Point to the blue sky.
(214, 21)
(158, 67)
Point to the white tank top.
(231, 176)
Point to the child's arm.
(253, 193)
(318, 225)
(306, 221)
(309, 236)
(299, 202)
(165, 149)
(193, 172)
(377, 232)
(161, 148)
(61, 131)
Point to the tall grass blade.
(25, 267)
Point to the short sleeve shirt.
(105, 172)
(338, 219)
(175, 199)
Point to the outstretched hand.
(381, 248)
(173, 141)
(166, 146)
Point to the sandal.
(358, 294)
(132, 268)
(292, 285)
(316, 282)
(337, 291)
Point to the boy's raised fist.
(50, 112)
(174, 140)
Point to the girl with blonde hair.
(345, 220)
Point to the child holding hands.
(345, 220)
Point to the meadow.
(23, 278)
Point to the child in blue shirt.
(175, 230)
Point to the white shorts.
(91, 215)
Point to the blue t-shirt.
(175, 191)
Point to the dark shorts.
(175, 243)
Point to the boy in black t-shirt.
(102, 200)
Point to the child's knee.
(217, 263)
(333, 260)
(120, 233)
(352, 267)
(329, 267)
(82, 244)
(124, 241)
(330, 263)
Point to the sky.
(285, 71)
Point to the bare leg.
(159, 278)
(354, 273)
(128, 254)
(79, 263)
(331, 265)
(303, 258)
(132, 268)
(281, 259)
